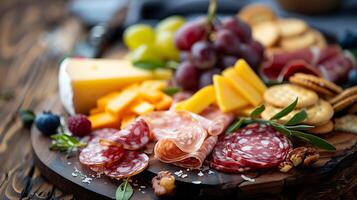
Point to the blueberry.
(47, 123)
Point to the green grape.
(137, 35)
(165, 44)
(172, 23)
(145, 52)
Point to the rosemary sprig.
(292, 128)
(65, 143)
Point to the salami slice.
(96, 154)
(132, 163)
(179, 127)
(135, 136)
(253, 147)
(96, 135)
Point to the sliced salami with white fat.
(132, 163)
(133, 137)
(96, 154)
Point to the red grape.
(206, 77)
(187, 76)
(250, 55)
(227, 42)
(227, 61)
(241, 29)
(203, 55)
(257, 46)
(189, 34)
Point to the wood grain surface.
(34, 36)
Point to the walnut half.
(163, 184)
(304, 156)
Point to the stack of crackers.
(280, 34)
(320, 98)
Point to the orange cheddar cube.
(164, 103)
(142, 107)
(153, 85)
(117, 105)
(97, 110)
(151, 96)
(104, 120)
(103, 101)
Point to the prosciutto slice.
(167, 152)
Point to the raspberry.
(79, 125)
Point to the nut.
(285, 166)
(311, 157)
(297, 155)
(163, 184)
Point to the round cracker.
(322, 129)
(320, 81)
(298, 42)
(318, 114)
(345, 103)
(320, 40)
(310, 85)
(283, 95)
(291, 27)
(266, 33)
(256, 13)
(346, 93)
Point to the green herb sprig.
(292, 128)
(155, 64)
(65, 143)
(124, 191)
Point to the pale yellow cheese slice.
(245, 72)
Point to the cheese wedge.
(243, 88)
(245, 72)
(200, 100)
(227, 98)
(83, 81)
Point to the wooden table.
(34, 36)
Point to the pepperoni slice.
(96, 154)
(178, 126)
(132, 164)
(253, 147)
(135, 136)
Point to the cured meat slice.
(135, 136)
(96, 135)
(259, 146)
(296, 66)
(214, 120)
(96, 154)
(132, 163)
(179, 127)
(166, 151)
(253, 147)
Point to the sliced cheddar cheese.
(245, 111)
(245, 72)
(96, 110)
(227, 98)
(242, 87)
(83, 81)
(104, 120)
(200, 100)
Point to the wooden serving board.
(68, 174)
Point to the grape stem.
(212, 8)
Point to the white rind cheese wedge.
(83, 81)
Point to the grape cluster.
(208, 48)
